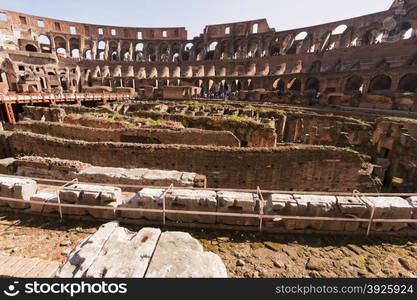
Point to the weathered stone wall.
(396, 152)
(249, 132)
(131, 135)
(314, 168)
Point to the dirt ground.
(245, 254)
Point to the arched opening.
(354, 84)
(339, 29)
(408, 83)
(64, 83)
(301, 36)
(75, 48)
(101, 47)
(45, 44)
(253, 46)
(187, 51)
(211, 50)
(236, 86)
(31, 48)
(380, 83)
(312, 84)
(88, 55)
(294, 85)
(151, 53)
(75, 53)
(165, 53)
(278, 85)
(61, 52)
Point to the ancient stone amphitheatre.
(286, 153)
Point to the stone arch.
(278, 85)
(31, 48)
(294, 85)
(188, 48)
(354, 84)
(211, 50)
(253, 48)
(164, 52)
(74, 47)
(45, 43)
(380, 83)
(408, 83)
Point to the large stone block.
(350, 207)
(192, 200)
(389, 208)
(241, 203)
(83, 257)
(284, 205)
(92, 195)
(125, 254)
(179, 255)
(38, 203)
(115, 252)
(315, 206)
(17, 188)
(145, 199)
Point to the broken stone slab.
(388, 208)
(145, 199)
(125, 254)
(192, 200)
(413, 202)
(242, 203)
(284, 205)
(38, 201)
(350, 207)
(84, 255)
(179, 255)
(17, 188)
(315, 206)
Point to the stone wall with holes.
(306, 168)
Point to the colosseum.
(233, 136)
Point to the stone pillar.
(157, 53)
(82, 47)
(106, 51)
(131, 51)
(52, 40)
(94, 50)
(68, 47)
(119, 50)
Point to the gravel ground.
(245, 254)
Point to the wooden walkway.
(19, 267)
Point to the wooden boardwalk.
(19, 267)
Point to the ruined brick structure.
(367, 61)
(305, 109)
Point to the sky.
(195, 14)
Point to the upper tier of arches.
(242, 40)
